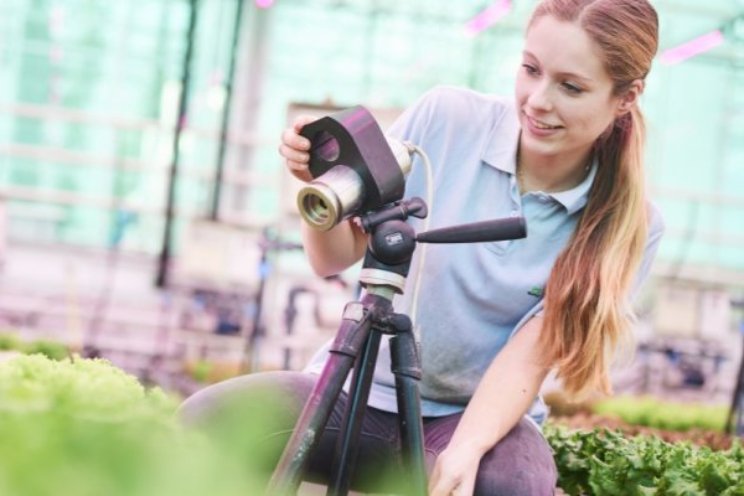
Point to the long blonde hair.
(586, 298)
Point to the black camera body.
(355, 168)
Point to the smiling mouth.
(541, 125)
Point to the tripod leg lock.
(353, 332)
(353, 311)
(404, 356)
(401, 323)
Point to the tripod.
(384, 271)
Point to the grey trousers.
(521, 464)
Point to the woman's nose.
(540, 97)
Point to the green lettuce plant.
(85, 428)
(603, 462)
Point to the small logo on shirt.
(536, 291)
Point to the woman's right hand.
(296, 149)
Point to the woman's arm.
(502, 397)
(330, 252)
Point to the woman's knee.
(521, 464)
(249, 393)
(250, 416)
(250, 409)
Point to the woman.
(567, 154)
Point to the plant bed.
(642, 445)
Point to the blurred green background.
(89, 94)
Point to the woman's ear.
(630, 97)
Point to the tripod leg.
(407, 369)
(348, 442)
(352, 334)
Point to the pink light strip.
(488, 17)
(264, 4)
(695, 46)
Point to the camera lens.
(316, 209)
(331, 198)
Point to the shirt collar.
(500, 151)
(575, 199)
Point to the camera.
(355, 168)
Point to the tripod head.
(392, 241)
(359, 173)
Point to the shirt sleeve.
(436, 112)
(412, 124)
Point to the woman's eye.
(572, 88)
(529, 69)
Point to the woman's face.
(563, 92)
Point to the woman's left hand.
(455, 471)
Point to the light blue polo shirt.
(473, 297)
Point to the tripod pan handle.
(489, 230)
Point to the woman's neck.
(551, 173)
